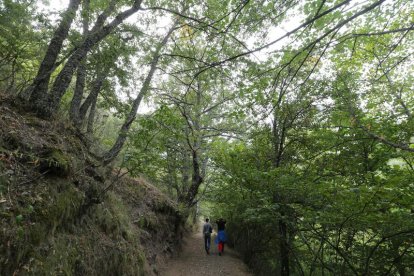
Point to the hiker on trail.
(207, 230)
(221, 235)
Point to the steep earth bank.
(58, 216)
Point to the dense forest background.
(293, 119)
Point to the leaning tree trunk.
(196, 181)
(122, 136)
(39, 88)
(91, 118)
(93, 38)
(197, 174)
(81, 73)
(92, 97)
(78, 94)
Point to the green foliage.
(55, 162)
(304, 143)
(21, 43)
(354, 207)
(152, 147)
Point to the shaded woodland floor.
(193, 260)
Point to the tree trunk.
(196, 181)
(92, 97)
(81, 73)
(185, 174)
(171, 170)
(122, 136)
(197, 174)
(398, 258)
(93, 38)
(38, 90)
(278, 140)
(78, 94)
(284, 248)
(91, 118)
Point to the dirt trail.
(193, 260)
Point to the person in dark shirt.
(207, 230)
(221, 235)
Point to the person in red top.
(221, 235)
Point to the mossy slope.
(55, 218)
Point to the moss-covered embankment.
(56, 219)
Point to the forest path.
(193, 260)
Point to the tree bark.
(197, 175)
(81, 73)
(93, 38)
(38, 90)
(91, 118)
(185, 173)
(279, 129)
(78, 94)
(171, 176)
(196, 180)
(92, 97)
(122, 136)
(284, 248)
